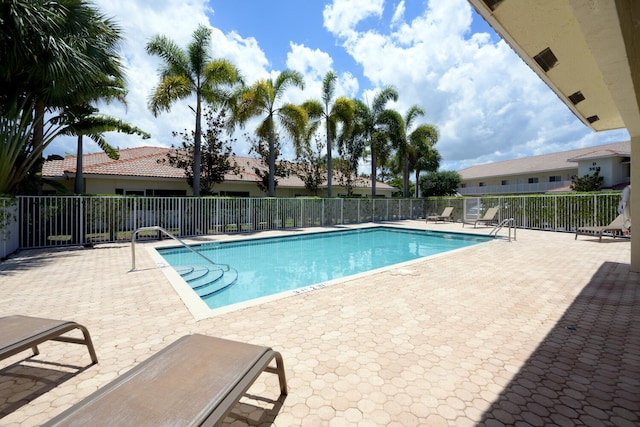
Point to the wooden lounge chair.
(197, 380)
(488, 218)
(20, 333)
(614, 228)
(445, 216)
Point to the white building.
(549, 172)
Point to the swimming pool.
(266, 266)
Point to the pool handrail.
(225, 267)
(511, 222)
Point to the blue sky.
(439, 54)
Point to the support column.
(635, 203)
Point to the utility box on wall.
(9, 230)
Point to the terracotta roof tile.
(143, 162)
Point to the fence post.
(82, 238)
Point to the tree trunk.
(374, 168)
(405, 176)
(272, 161)
(196, 148)
(417, 183)
(329, 162)
(78, 187)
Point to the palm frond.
(412, 114)
(285, 80)
(294, 119)
(198, 49)
(313, 108)
(386, 94)
(99, 123)
(169, 90)
(176, 61)
(329, 87)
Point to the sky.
(439, 54)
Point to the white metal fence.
(80, 220)
(562, 212)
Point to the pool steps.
(207, 280)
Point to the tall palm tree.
(352, 145)
(191, 72)
(372, 126)
(422, 154)
(333, 112)
(403, 138)
(263, 99)
(68, 42)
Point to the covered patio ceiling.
(586, 51)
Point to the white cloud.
(398, 15)
(342, 16)
(140, 21)
(486, 102)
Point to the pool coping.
(200, 310)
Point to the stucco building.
(549, 172)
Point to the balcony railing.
(540, 187)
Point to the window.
(504, 182)
(235, 193)
(463, 185)
(166, 193)
(555, 178)
(533, 180)
(481, 184)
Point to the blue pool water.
(266, 266)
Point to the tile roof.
(546, 162)
(143, 162)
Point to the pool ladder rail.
(192, 275)
(511, 222)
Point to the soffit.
(586, 38)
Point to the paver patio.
(544, 330)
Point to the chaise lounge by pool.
(251, 269)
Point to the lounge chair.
(20, 333)
(488, 218)
(197, 380)
(615, 227)
(445, 216)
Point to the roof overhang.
(595, 47)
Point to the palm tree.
(341, 111)
(83, 119)
(422, 154)
(87, 122)
(262, 98)
(398, 127)
(188, 72)
(67, 42)
(372, 127)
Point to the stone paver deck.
(541, 331)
